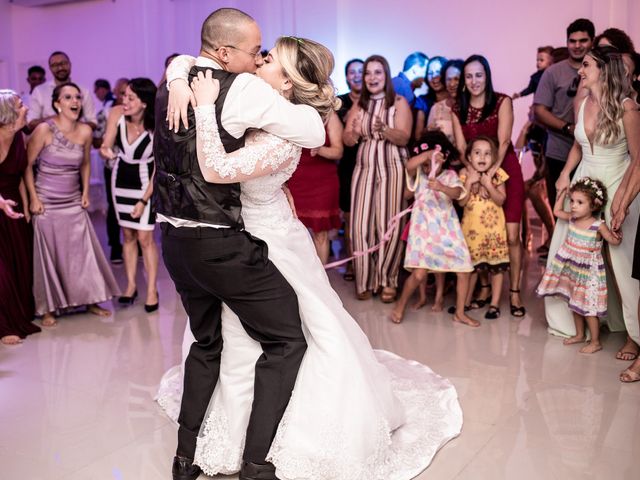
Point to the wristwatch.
(567, 128)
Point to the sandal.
(492, 313)
(629, 376)
(479, 302)
(517, 311)
(388, 295)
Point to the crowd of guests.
(51, 261)
(437, 136)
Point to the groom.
(209, 255)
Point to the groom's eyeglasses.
(255, 55)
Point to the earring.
(59, 110)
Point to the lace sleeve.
(262, 155)
(179, 68)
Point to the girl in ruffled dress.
(577, 272)
(435, 242)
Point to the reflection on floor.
(76, 401)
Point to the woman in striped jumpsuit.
(381, 124)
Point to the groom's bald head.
(223, 27)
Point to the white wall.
(109, 39)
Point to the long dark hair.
(145, 89)
(431, 94)
(389, 92)
(464, 97)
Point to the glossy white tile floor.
(76, 401)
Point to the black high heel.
(126, 300)
(152, 308)
(516, 311)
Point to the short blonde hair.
(8, 112)
(308, 65)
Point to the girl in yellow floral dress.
(483, 222)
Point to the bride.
(355, 413)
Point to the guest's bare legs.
(462, 289)
(422, 295)
(496, 288)
(515, 262)
(579, 337)
(541, 205)
(594, 329)
(150, 259)
(417, 276)
(130, 256)
(473, 278)
(438, 303)
(321, 242)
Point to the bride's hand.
(180, 96)
(205, 88)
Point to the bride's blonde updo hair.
(308, 65)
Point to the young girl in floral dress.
(577, 271)
(483, 221)
(435, 242)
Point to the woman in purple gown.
(70, 268)
(16, 278)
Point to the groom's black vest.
(180, 190)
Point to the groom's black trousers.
(210, 266)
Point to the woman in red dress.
(315, 187)
(16, 238)
(482, 111)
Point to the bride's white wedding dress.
(355, 413)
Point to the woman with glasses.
(70, 269)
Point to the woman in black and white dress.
(129, 141)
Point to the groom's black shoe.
(257, 471)
(184, 469)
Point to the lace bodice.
(263, 166)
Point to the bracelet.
(143, 201)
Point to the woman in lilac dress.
(70, 268)
(16, 278)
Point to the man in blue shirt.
(411, 77)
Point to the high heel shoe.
(152, 308)
(126, 300)
(516, 311)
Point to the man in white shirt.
(40, 104)
(209, 255)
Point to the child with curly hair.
(577, 272)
